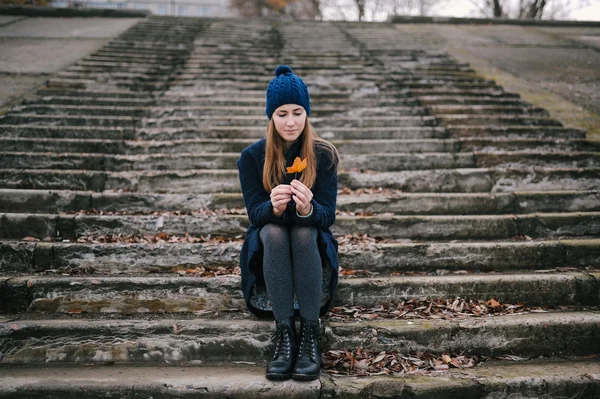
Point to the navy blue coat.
(258, 204)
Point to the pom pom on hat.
(283, 69)
(286, 88)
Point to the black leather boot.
(281, 365)
(309, 361)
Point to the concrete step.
(208, 181)
(472, 109)
(205, 121)
(442, 79)
(551, 378)
(486, 119)
(497, 92)
(215, 132)
(460, 100)
(378, 258)
(387, 226)
(105, 92)
(515, 132)
(96, 121)
(72, 132)
(120, 147)
(168, 294)
(94, 67)
(84, 110)
(227, 160)
(55, 201)
(187, 161)
(115, 76)
(312, 78)
(318, 94)
(94, 84)
(116, 102)
(477, 180)
(217, 85)
(175, 101)
(257, 132)
(212, 342)
(192, 112)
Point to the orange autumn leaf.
(493, 303)
(277, 4)
(298, 166)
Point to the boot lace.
(282, 342)
(307, 342)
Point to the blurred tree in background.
(301, 9)
(528, 9)
(380, 10)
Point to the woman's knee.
(274, 234)
(304, 235)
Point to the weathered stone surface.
(532, 289)
(425, 203)
(160, 114)
(384, 225)
(517, 132)
(560, 224)
(581, 252)
(106, 259)
(484, 256)
(46, 131)
(553, 379)
(26, 225)
(559, 201)
(16, 257)
(131, 295)
(552, 333)
(208, 342)
(122, 341)
(43, 201)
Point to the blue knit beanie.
(286, 88)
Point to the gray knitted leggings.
(292, 263)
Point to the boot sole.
(278, 377)
(305, 377)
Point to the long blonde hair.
(275, 168)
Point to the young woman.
(289, 258)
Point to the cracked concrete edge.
(547, 379)
(572, 115)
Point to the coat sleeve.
(324, 197)
(256, 198)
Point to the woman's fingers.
(302, 191)
(301, 198)
(282, 189)
(280, 203)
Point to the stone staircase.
(122, 218)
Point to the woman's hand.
(302, 196)
(280, 196)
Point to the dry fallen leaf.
(493, 303)
(363, 362)
(298, 165)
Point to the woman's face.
(289, 121)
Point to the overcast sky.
(584, 10)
